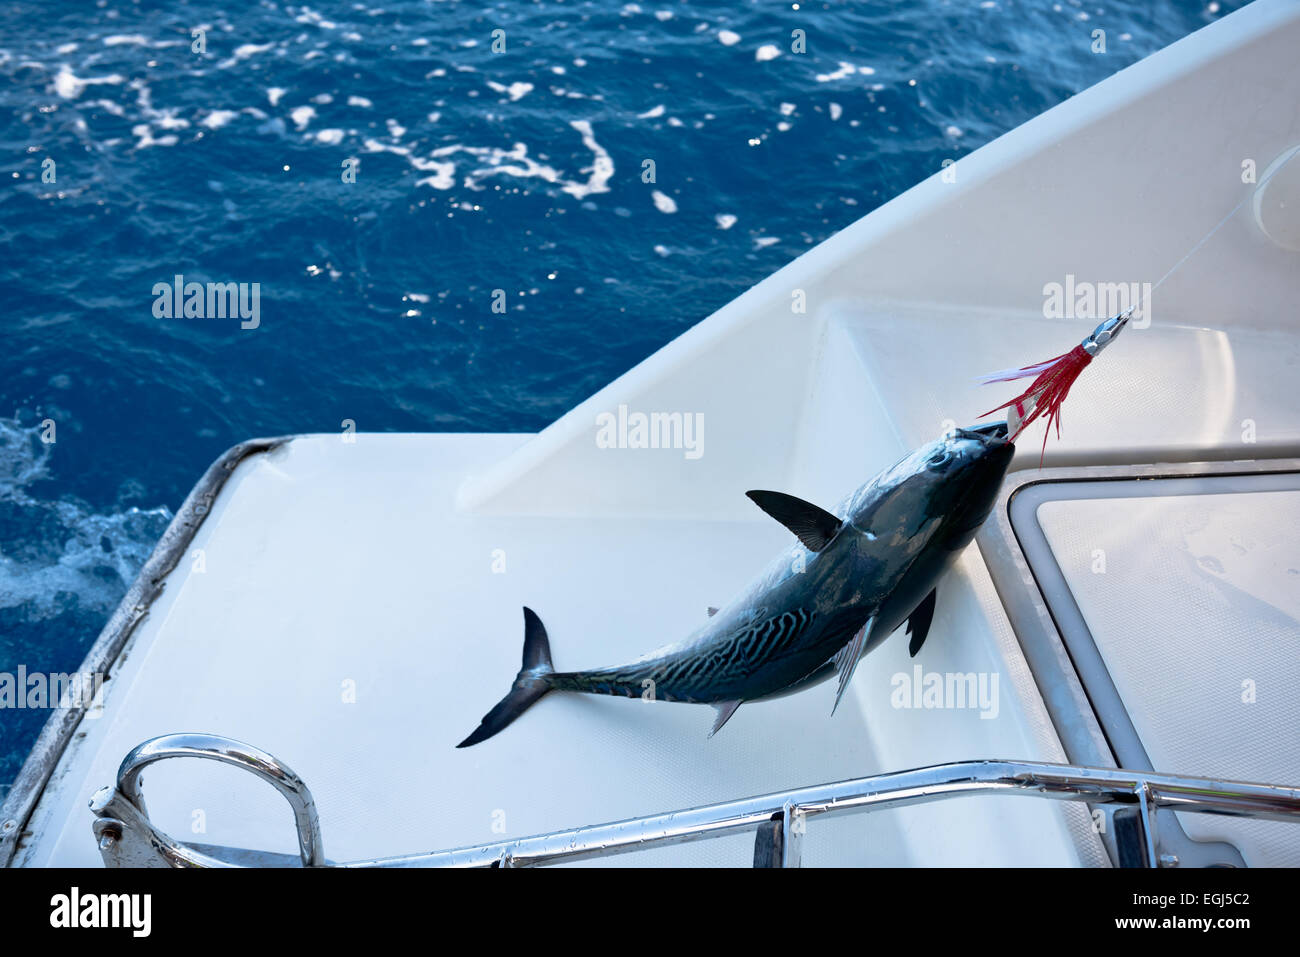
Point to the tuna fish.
(855, 575)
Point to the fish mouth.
(993, 430)
(996, 449)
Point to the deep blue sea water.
(478, 170)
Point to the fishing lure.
(1054, 377)
(1052, 380)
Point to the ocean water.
(478, 169)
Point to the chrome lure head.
(1106, 333)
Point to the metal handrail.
(788, 810)
(778, 818)
(128, 838)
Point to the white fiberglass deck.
(266, 643)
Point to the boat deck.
(269, 641)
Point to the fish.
(853, 576)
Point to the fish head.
(941, 493)
(965, 469)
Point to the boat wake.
(59, 555)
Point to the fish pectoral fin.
(725, 710)
(813, 526)
(918, 623)
(847, 659)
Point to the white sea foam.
(84, 559)
(301, 116)
(309, 15)
(768, 51)
(601, 168)
(725, 220)
(727, 38)
(217, 119)
(844, 71)
(444, 174)
(70, 86)
(168, 120)
(492, 161)
(651, 113)
(516, 91)
(663, 202)
(145, 138)
(443, 171)
(251, 49)
(24, 458)
(372, 145)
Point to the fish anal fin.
(725, 710)
(918, 623)
(812, 525)
(847, 659)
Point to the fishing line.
(1053, 377)
(1208, 236)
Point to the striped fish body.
(791, 620)
(742, 665)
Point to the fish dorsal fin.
(918, 623)
(725, 710)
(712, 611)
(847, 659)
(813, 526)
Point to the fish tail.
(532, 682)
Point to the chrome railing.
(128, 839)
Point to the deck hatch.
(1168, 606)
